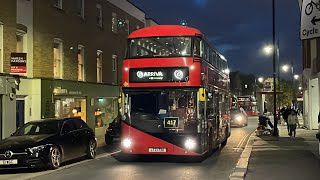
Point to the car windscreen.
(38, 128)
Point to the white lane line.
(107, 154)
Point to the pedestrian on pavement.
(285, 116)
(292, 123)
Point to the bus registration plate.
(158, 150)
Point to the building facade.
(311, 81)
(8, 45)
(74, 51)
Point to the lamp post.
(275, 130)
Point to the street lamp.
(260, 79)
(296, 76)
(268, 50)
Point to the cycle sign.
(310, 19)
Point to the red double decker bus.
(175, 93)
(249, 105)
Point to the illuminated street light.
(268, 49)
(300, 88)
(285, 68)
(227, 71)
(296, 76)
(260, 79)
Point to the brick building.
(7, 45)
(74, 51)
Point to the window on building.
(99, 15)
(1, 47)
(99, 66)
(57, 3)
(20, 42)
(81, 63)
(58, 58)
(80, 8)
(115, 68)
(128, 26)
(114, 23)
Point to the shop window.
(106, 111)
(70, 107)
(114, 23)
(99, 15)
(81, 74)
(58, 60)
(99, 66)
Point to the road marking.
(242, 165)
(32, 176)
(239, 146)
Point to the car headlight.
(190, 144)
(126, 143)
(36, 149)
(238, 118)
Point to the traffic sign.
(310, 19)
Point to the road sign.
(310, 19)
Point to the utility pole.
(275, 130)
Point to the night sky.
(237, 28)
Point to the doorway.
(20, 104)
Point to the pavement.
(282, 157)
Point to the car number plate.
(8, 162)
(157, 149)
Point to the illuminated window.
(57, 3)
(80, 6)
(99, 66)
(99, 15)
(114, 23)
(81, 63)
(58, 58)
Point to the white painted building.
(311, 77)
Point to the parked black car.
(47, 143)
(238, 118)
(113, 131)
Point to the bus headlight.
(190, 144)
(126, 143)
(238, 118)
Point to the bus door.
(216, 110)
(202, 116)
(211, 118)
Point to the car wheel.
(91, 149)
(54, 158)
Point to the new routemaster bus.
(175, 93)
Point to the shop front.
(95, 104)
(7, 106)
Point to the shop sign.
(159, 75)
(18, 62)
(60, 91)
